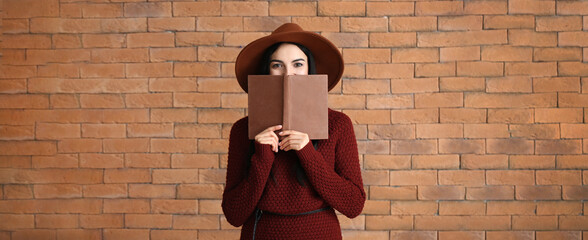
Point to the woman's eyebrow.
(300, 59)
(276, 60)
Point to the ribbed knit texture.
(333, 179)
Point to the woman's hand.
(268, 136)
(293, 140)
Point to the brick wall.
(471, 116)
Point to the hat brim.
(328, 59)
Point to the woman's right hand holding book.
(268, 136)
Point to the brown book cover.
(297, 102)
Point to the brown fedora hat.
(328, 59)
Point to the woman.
(281, 185)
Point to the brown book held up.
(297, 102)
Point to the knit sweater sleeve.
(246, 176)
(342, 187)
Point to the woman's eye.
(276, 65)
(298, 64)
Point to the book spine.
(287, 101)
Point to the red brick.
(431, 100)
(22, 9)
(380, 102)
(15, 162)
(196, 9)
(152, 191)
(462, 222)
(471, 208)
(127, 175)
(15, 25)
(163, 176)
(86, 206)
(423, 177)
(572, 161)
(414, 207)
(457, 39)
(102, 70)
(157, 9)
(536, 131)
(388, 222)
(393, 193)
(448, 54)
(17, 71)
(56, 85)
(409, 55)
(58, 191)
(341, 9)
(390, 70)
(386, 162)
(412, 24)
(20, 191)
(485, 131)
(482, 100)
(244, 9)
(413, 146)
(470, 161)
(219, 115)
(357, 102)
(439, 131)
(534, 222)
(438, 8)
(172, 84)
(531, 38)
(173, 234)
(393, 39)
(375, 177)
(391, 131)
(102, 221)
(373, 147)
(558, 147)
(365, 234)
(531, 69)
(293, 9)
(559, 177)
(435, 161)
(510, 177)
(128, 234)
(171, 24)
(37, 234)
(200, 191)
(219, 24)
(462, 115)
(364, 24)
(174, 206)
(126, 145)
(538, 193)
(572, 100)
(430, 115)
(173, 115)
(485, 7)
(511, 208)
(198, 38)
(105, 191)
(479, 69)
(559, 208)
(196, 69)
(103, 40)
(195, 222)
(126, 206)
(389, 8)
(261, 24)
(575, 192)
(73, 234)
(435, 69)
(173, 145)
(559, 23)
(120, 55)
(101, 160)
(62, 25)
(13, 86)
(196, 100)
(148, 220)
(458, 23)
(210, 207)
(572, 8)
(473, 235)
(512, 84)
(510, 116)
(24, 101)
(26, 41)
(66, 41)
(531, 7)
(462, 178)
(17, 132)
(461, 146)
(557, 54)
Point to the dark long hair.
(265, 70)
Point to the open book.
(297, 102)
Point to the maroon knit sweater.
(333, 179)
